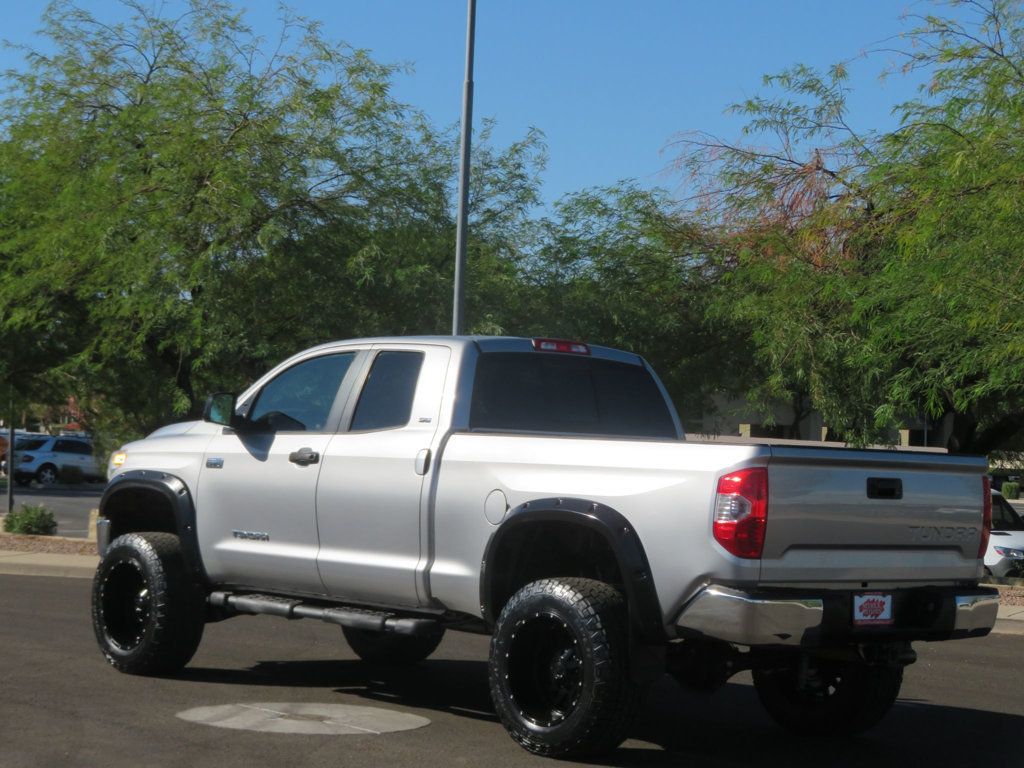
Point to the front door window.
(301, 398)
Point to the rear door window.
(387, 396)
(30, 444)
(72, 446)
(539, 392)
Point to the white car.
(41, 458)
(1005, 555)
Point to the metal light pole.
(459, 307)
(10, 455)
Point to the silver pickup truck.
(540, 491)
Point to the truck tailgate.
(840, 515)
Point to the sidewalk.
(1010, 619)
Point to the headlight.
(1015, 554)
(118, 459)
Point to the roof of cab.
(483, 343)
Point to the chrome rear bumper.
(791, 618)
(736, 617)
(976, 612)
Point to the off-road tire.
(559, 668)
(852, 697)
(147, 613)
(390, 649)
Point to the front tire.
(388, 648)
(834, 699)
(559, 668)
(147, 613)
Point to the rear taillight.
(986, 517)
(741, 512)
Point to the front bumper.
(815, 618)
(1008, 568)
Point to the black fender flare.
(617, 532)
(175, 491)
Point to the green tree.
(182, 204)
(613, 266)
(878, 276)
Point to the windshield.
(1004, 516)
(30, 443)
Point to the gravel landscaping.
(1012, 596)
(54, 545)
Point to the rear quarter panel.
(664, 488)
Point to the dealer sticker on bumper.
(872, 608)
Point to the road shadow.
(675, 726)
(730, 728)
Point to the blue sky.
(608, 82)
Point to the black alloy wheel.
(830, 698)
(126, 604)
(545, 669)
(391, 649)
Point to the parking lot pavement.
(70, 506)
(63, 706)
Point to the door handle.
(423, 461)
(304, 457)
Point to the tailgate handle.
(885, 488)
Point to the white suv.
(41, 457)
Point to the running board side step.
(345, 616)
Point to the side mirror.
(220, 409)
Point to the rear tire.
(147, 613)
(387, 648)
(559, 668)
(46, 475)
(837, 699)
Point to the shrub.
(71, 475)
(1011, 490)
(31, 519)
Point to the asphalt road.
(69, 507)
(61, 705)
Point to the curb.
(1008, 627)
(1001, 583)
(44, 564)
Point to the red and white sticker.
(872, 608)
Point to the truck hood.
(180, 428)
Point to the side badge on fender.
(215, 463)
